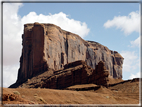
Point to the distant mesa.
(55, 58)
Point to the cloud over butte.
(13, 29)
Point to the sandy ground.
(126, 92)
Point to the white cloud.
(135, 43)
(137, 75)
(59, 19)
(127, 24)
(12, 31)
(131, 61)
(13, 26)
(10, 75)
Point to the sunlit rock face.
(47, 46)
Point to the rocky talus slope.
(47, 46)
(74, 73)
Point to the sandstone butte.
(55, 58)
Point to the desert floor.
(120, 92)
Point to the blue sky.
(115, 25)
(94, 15)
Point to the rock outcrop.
(74, 73)
(47, 46)
(100, 75)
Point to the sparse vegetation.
(16, 92)
(107, 96)
(40, 99)
(32, 102)
(23, 96)
(68, 101)
(35, 95)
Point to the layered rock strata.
(48, 46)
(74, 73)
(100, 75)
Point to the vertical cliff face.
(48, 46)
(32, 61)
(61, 47)
(113, 60)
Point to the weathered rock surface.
(100, 74)
(74, 73)
(48, 46)
(69, 76)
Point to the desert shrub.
(16, 92)
(107, 96)
(32, 102)
(40, 99)
(23, 96)
(35, 95)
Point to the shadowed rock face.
(100, 75)
(74, 73)
(48, 46)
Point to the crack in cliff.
(66, 47)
